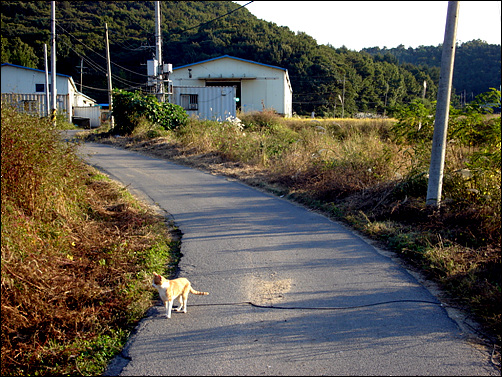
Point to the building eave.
(230, 57)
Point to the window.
(190, 101)
(40, 88)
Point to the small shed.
(258, 86)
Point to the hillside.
(197, 30)
(477, 63)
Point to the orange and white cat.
(169, 290)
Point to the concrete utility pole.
(442, 108)
(109, 76)
(158, 52)
(81, 72)
(47, 94)
(343, 96)
(53, 63)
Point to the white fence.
(35, 104)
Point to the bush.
(76, 252)
(37, 168)
(472, 164)
(129, 108)
(257, 120)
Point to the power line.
(141, 74)
(90, 87)
(100, 69)
(216, 18)
(106, 90)
(128, 85)
(130, 48)
(97, 53)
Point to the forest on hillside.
(322, 76)
(477, 64)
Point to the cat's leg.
(185, 299)
(178, 309)
(169, 306)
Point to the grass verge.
(77, 255)
(353, 171)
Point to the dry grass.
(77, 252)
(352, 170)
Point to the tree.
(195, 31)
(18, 52)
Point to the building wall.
(262, 86)
(83, 100)
(21, 80)
(213, 102)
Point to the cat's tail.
(193, 291)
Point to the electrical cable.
(488, 337)
(90, 87)
(97, 53)
(92, 64)
(100, 69)
(320, 308)
(214, 19)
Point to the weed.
(77, 254)
(373, 175)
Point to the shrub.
(129, 107)
(37, 168)
(260, 119)
(472, 164)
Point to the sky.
(360, 24)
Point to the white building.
(258, 86)
(24, 88)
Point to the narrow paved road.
(243, 245)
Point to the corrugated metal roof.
(230, 57)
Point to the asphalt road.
(243, 245)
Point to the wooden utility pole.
(53, 62)
(442, 108)
(109, 76)
(47, 94)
